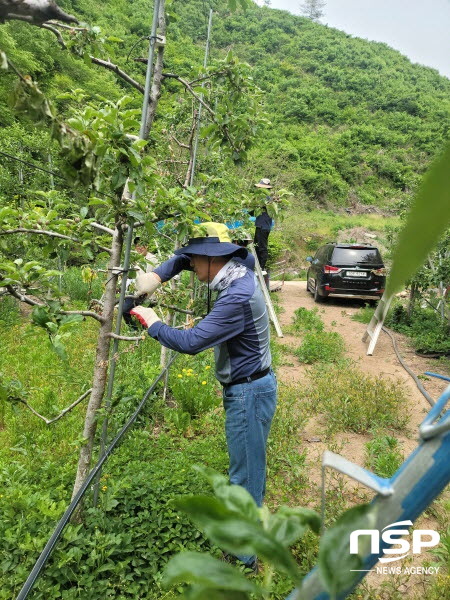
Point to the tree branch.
(205, 105)
(35, 12)
(84, 313)
(38, 231)
(102, 228)
(118, 71)
(61, 414)
(206, 77)
(191, 91)
(61, 41)
(179, 143)
(32, 302)
(56, 24)
(52, 234)
(22, 297)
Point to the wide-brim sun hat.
(264, 183)
(216, 242)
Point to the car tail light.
(379, 271)
(330, 269)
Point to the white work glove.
(146, 316)
(146, 283)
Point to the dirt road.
(336, 315)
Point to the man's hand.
(146, 316)
(146, 283)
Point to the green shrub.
(353, 401)
(306, 320)
(383, 456)
(121, 546)
(428, 331)
(194, 387)
(321, 346)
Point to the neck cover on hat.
(229, 272)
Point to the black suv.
(346, 270)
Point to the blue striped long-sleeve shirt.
(237, 327)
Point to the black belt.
(253, 377)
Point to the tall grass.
(350, 400)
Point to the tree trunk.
(412, 299)
(101, 363)
(155, 92)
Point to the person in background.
(238, 329)
(263, 226)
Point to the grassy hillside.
(351, 122)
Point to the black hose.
(49, 547)
(405, 366)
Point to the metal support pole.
(205, 62)
(262, 283)
(128, 243)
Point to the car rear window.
(356, 256)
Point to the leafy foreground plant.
(236, 524)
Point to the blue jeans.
(249, 409)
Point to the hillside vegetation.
(350, 121)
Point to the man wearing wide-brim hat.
(263, 226)
(238, 329)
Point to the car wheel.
(317, 296)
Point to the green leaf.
(288, 525)
(202, 569)
(235, 497)
(426, 223)
(40, 316)
(335, 561)
(59, 348)
(236, 535)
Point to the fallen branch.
(61, 414)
